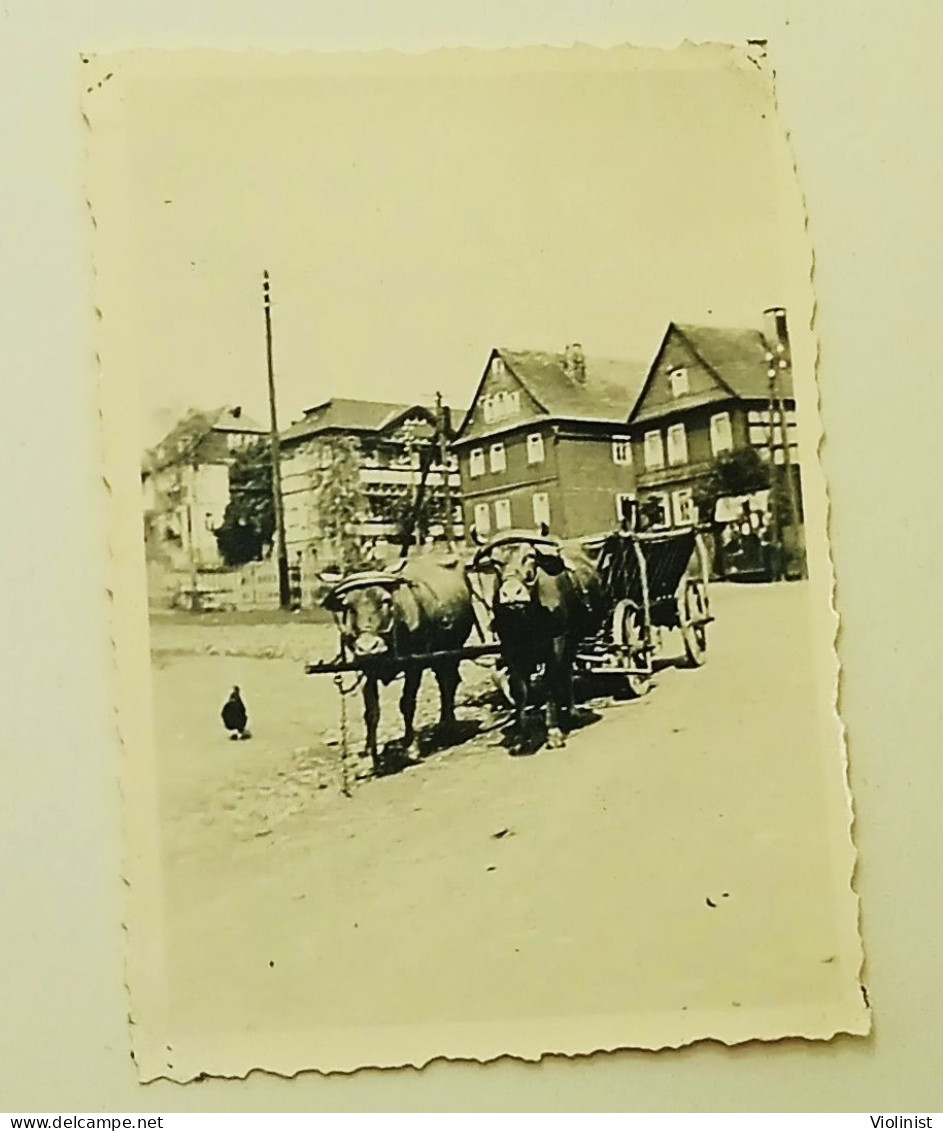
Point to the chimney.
(574, 363)
(775, 330)
(237, 412)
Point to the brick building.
(545, 441)
(708, 392)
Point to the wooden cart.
(653, 581)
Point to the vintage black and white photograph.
(472, 598)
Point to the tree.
(739, 472)
(419, 509)
(181, 446)
(248, 525)
(339, 499)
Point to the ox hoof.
(555, 739)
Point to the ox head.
(517, 558)
(365, 608)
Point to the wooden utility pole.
(188, 495)
(775, 509)
(284, 585)
(795, 522)
(446, 475)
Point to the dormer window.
(678, 381)
(500, 406)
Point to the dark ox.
(384, 616)
(547, 598)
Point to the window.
(502, 513)
(497, 367)
(498, 458)
(621, 450)
(677, 445)
(541, 505)
(678, 381)
(683, 507)
(500, 406)
(482, 518)
(625, 504)
(535, 448)
(656, 510)
(654, 451)
(476, 463)
(721, 434)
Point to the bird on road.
(235, 718)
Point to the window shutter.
(654, 451)
(541, 508)
(721, 433)
(677, 445)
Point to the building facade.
(185, 484)
(545, 443)
(710, 391)
(396, 456)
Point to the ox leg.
(567, 699)
(559, 688)
(448, 680)
(411, 681)
(519, 687)
(371, 718)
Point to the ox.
(385, 616)
(547, 599)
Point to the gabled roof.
(737, 357)
(343, 415)
(187, 436)
(233, 419)
(608, 393)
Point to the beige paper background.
(858, 98)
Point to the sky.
(413, 216)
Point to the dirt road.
(675, 855)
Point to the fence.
(246, 588)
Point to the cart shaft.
(364, 664)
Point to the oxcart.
(654, 582)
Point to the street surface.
(675, 855)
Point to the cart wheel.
(692, 611)
(627, 636)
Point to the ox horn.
(483, 556)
